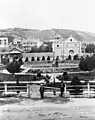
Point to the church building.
(62, 48)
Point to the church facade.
(62, 48)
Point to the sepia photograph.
(47, 60)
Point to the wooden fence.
(87, 89)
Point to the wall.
(40, 55)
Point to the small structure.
(15, 52)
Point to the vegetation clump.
(87, 64)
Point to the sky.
(48, 14)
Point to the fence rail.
(88, 89)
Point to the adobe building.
(62, 48)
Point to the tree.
(48, 47)
(69, 57)
(76, 89)
(48, 58)
(56, 63)
(57, 58)
(76, 57)
(65, 76)
(14, 67)
(38, 74)
(87, 64)
(90, 48)
(42, 48)
(34, 49)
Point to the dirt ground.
(47, 109)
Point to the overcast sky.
(48, 14)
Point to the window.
(4, 41)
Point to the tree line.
(42, 48)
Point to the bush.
(76, 57)
(69, 57)
(87, 64)
(38, 74)
(76, 89)
(64, 77)
(48, 58)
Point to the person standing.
(42, 91)
(62, 86)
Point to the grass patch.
(56, 100)
(11, 100)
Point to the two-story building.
(3, 41)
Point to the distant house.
(31, 42)
(3, 41)
(16, 41)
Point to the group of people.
(42, 90)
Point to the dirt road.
(49, 109)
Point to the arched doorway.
(71, 54)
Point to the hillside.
(21, 33)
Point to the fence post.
(5, 88)
(28, 90)
(65, 90)
(88, 88)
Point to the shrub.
(48, 58)
(87, 64)
(65, 76)
(38, 74)
(76, 89)
(69, 57)
(56, 63)
(57, 58)
(76, 57)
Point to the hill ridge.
(47, 34)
